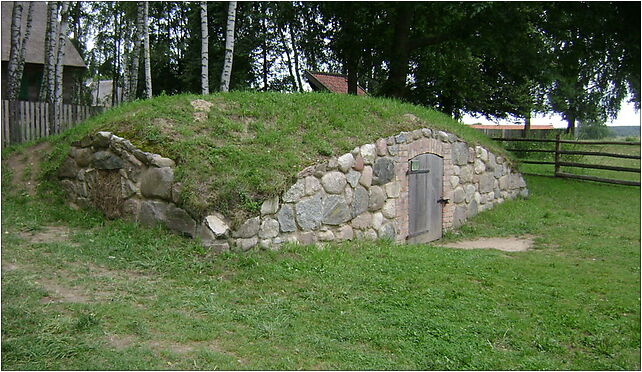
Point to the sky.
(627, 116)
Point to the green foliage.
(593, 129)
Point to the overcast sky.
(626, 116)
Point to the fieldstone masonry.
(359, 195)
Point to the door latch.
(443, 201)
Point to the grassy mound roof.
(250, 146)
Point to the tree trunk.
(264, 51)
(288, 59)
(138, 36)
(116, 70)
(570, 119)
(396, 84)
(229, 47)
(47, 87)
(60, 60)
(13, 84)
(295, 53)
(148, 63)
(23, 44)
(205, 81)
(527, 124)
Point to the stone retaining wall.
(361, 194)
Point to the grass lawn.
(81, 292)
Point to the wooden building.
(35, 54)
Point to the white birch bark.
(229, 47)
(47, 88)
(60, 61)
(23, 44)
(138, 36)
(60, 58)
(13, 84)
(205, 83)
(146, 57)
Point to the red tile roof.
(511, 126)
(335, 83)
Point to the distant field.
(625, 131)
(587, 159)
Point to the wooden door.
(425, 175)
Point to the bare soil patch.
(25, 166)
(509, 244)
(9, 266)
(59, 293)
(48, 234)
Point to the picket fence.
(32, 119)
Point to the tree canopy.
(580, 59)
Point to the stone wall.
(359, 195)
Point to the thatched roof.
(36, 44)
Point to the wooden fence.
(558, 162)
(518, 133)
(32, 120)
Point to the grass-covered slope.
(252, 145)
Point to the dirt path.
(25, 167)
(509, 244)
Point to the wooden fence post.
(557, 155)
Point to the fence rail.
(558, 163)
(26, 121)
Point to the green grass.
(136, 298)
(253, 144)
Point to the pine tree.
(229, 47)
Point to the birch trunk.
(23, 46)
(146, 57)
(265, 56)
(60, 59)
(133, 88)
(205, 83)
(13, 83)
(115, 70)
(229, 47)
(49, 68)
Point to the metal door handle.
(443, 201)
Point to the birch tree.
(47, 87)
(136, 52)
(229, 47)
(205, 88)
(146, 57)
(14, 82)
(14, 52)
(23, 43)
(60, 58)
